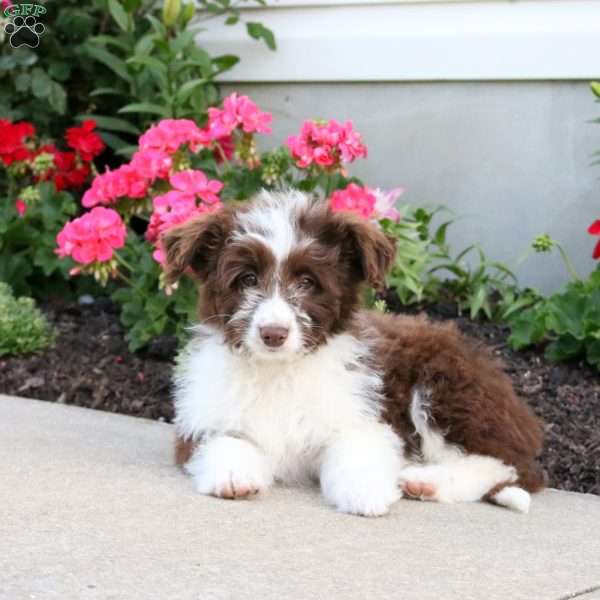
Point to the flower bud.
(543, 243)
(29, 194)
(170, 12)
(188, 12)
(42, 163)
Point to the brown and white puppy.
(287, 380)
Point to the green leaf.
(232, 20)
(592, 353)
(22, 82)
(59, 70)
(41, 84)
(225, 62)
(110, 60)
(157, 25)
(58, 98)
(184, 39)
(526, 329)
(111, 123)
(186, 90)
(564, 348)
(145, 107)
(114, 141)
(477, 302)
(565, 314)
(259, 32)
(145, 44)
(156, 67)
(119, 15)
(107, 91)
(111, 40)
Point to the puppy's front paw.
(359, 474)
(229, 467)
(367, 497)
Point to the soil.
(89, 365)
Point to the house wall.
(420, 81)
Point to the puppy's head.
(281, 274)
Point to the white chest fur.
(290, 409)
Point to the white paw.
(425, 482)
(464, 479)
(369, 497)
(359, 474)
(230, 468)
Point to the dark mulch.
(90, 366)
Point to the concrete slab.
(92, 508)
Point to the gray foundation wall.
(511, 160)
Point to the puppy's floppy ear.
(370, 251)
(196, 244)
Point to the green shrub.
(568, 322)
(82, 65)
(23, 327)
(426, 271)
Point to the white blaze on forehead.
(273, 220)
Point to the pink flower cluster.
(237, 111)
(169, 135)
(154, 159)
(326, 144)
(367, 203)
(93, 237)
(180, 204)
(107, 188)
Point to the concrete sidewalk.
(92, 508)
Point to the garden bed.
(89, 365)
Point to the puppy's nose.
(274, 335)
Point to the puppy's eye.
(249, 280)
(306, 282)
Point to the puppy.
(287, 380)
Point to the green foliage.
(113, 57)
(27, 258)
(23, 327)
(48, 84)
(569, 322)
(146, 310)
(478, 285)
(156, 69)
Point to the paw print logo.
(24, 31)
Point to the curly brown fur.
(473, 402)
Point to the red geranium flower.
(12, 141)
(594, 229)
(83, 139)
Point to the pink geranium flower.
(385, 204)
(197, 184)
(169, 134)
(124, 182)
(237, 111)
(152, 164)
(326, 144)
(356, 199)
(171, 209)
(93, 237)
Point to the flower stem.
(222, 154)
(568, 263)
(121, 260)
(125, 279)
